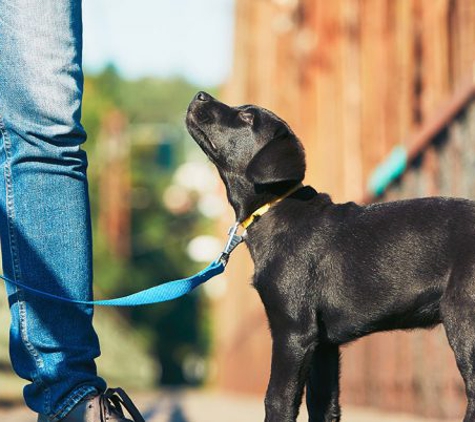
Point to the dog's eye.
(247, 117)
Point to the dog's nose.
(203, 96)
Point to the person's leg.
(45, 221)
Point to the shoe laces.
(114, 400)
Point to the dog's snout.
(203, 96)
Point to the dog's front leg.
(323, 389)
(291, 358)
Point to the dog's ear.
(281, 160)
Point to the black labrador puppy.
(330, 273)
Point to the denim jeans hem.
(71, 401)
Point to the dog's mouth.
(194, 122)
(206, 138)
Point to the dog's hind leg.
(323, 388)
(458, 317)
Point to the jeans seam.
(10, 214)
(72, 400)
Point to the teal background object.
(388, 170)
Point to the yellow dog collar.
(266, 207)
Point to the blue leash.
(161, 293)
(166, 291)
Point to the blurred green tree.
(154, 109)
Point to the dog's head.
(256, 152)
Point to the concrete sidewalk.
(208, 406)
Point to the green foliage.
(155, 109)
(146, 100)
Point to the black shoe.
(105, 407)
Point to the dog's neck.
(242, 202)
(267, 206)
(245, 203)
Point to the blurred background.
(382, 94)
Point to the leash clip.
(234, 240)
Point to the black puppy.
(331, 273)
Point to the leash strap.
(161, 293)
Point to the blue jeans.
(44, 206)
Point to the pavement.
(211, 406)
